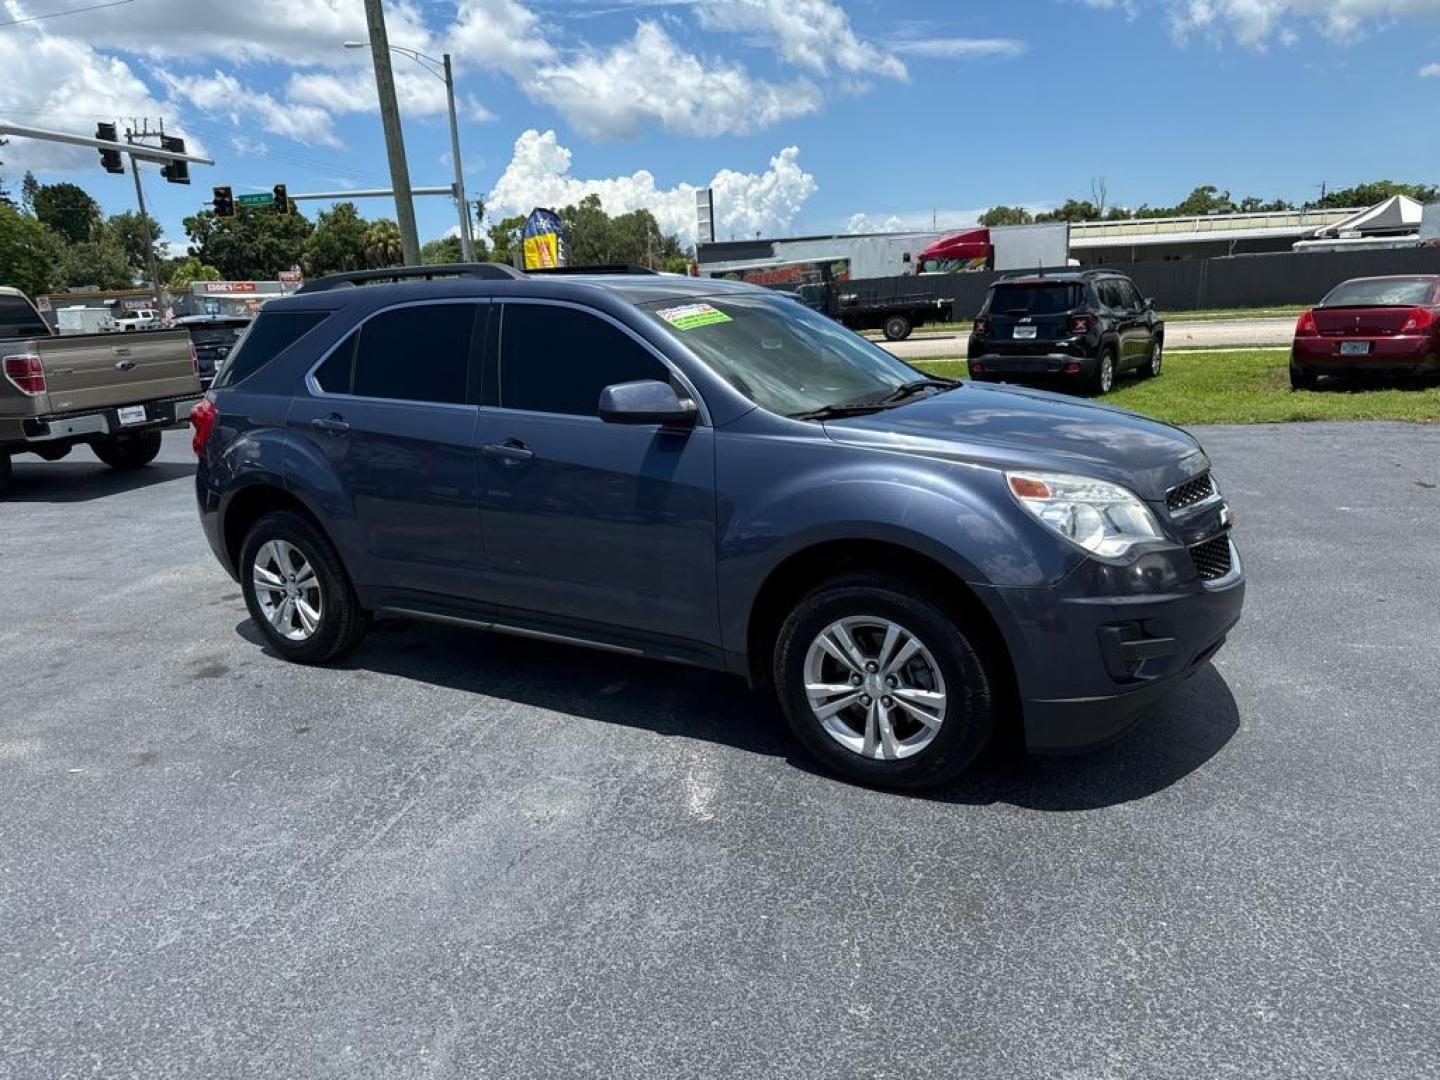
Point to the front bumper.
(1089, 663)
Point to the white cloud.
(861, 223)
(813, 34)
(1430, 71)
(1256, 23)
(222, 94)
(936, 220)
(539, 174)
(959, 48)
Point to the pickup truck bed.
(114, 393)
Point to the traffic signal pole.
(154, 267)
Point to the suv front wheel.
(297, 591)
(882, 685)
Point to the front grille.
(1212, 558)
(1191, 492)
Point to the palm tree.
(382, 244)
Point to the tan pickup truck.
(114, 393)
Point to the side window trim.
(313, 387)
(498, 347)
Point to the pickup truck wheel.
(127, 453)
(882, 685)
(297, 590)
(897, 328)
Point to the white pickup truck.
(116, 396)
(138, 319)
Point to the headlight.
(1101, 517)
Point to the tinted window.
(418, 353)
(268, 336)
(557, 359)
(18, 318)
(333, 376)
(214, 335)
(1380, 292)
(1129, 298)
(1034, 299)
(1110, 293)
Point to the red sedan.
(1370, 326)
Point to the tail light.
(1080, 324)
(1305, 327)
(26, 373)
(202, 419)
(982, 326)
(194, 359)
(976, 365)
(1420, 320)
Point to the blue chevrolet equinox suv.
(711, 473)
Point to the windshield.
(783, 356)
(1034, 299)
(1381, 292)
(215, 335)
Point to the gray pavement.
(1219, 333)
(462, 855)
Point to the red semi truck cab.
(969, 250)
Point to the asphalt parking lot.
(462, 855)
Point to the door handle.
(334, 425)
(510, 452)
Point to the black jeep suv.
(1084, 328)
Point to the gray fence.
(1237, 281)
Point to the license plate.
(1354, 348)
(132, 414)
(1024, 332)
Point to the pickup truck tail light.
(1420, 320)
(202, 419)
(194, 359)
(26, 373)
(981, 326)
(1305, 327)
(1080, 324)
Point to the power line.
(71, 11)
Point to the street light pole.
(394, 139)
(467, 241)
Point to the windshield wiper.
(894, 397)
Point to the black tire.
(342, 621)
(897, 328)
(7, 470)
(1101, 382)
(1300, 379)
(128, 452)
(970, 710)
(1151, 367)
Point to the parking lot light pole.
(445, 75)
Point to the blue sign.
(212, 306)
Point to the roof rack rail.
(346, 279)
(601, 268)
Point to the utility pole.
(467, 239)
(154, 267)
(394, 140)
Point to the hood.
(1013, 427)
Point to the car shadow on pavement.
(1172, 740)
(38, 481)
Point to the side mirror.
(647, 401)
(1149, 303)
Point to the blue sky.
(807, 113)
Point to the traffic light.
(176, 172)
(282, 200)
(109, 158)
(224, 202)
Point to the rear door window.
(557, 359)
(1037, 299)
(269, 335)
(417, 353)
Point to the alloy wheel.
(875, 688)
(1156, 352)
(287, 590)
(1107, 373)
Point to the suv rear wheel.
(1103, 381)
(130, 452)
(897, 328)
(882, 685)
(297, 591)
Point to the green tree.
(445, 250)
(593, 237)
(505, 239)
(1206, 199)
(1006, 215)
(1372, 193)
(252, 245)
(68, 211)
(127, 230)
(338, 242)
(190, 269)
(96, 262)
(1072, 210)
(28, 187)
(382, 245)
(27, 253)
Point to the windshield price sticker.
(689, 316)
